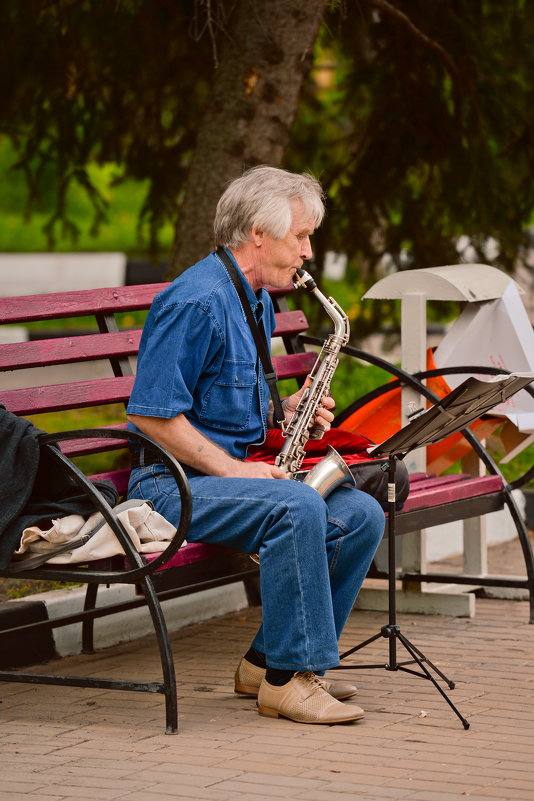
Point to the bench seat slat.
(189, 553)
(433, 481)
(452, 491)
(119, 477)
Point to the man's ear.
(257, 236)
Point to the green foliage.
(120, 231)
(425, 130)
(92, 417)
(417, 118)
(91, 82)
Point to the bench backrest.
(98, 368)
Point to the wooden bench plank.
(80, 394)
(76, 395)
(293, 365)
(89, 347)
(428, 516)
(448, 492)
(119, 477)
(290, 322)
(78, 303)
(28, 308)
(431, 480)
(63, 350)
(82, 447)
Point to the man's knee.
(305, 500)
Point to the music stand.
(471, 399)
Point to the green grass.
(92, 417)
(22, 234)
(20, 588)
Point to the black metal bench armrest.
(142, 568)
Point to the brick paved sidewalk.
(85, 745)
(73, 744)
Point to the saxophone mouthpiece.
(303, 279)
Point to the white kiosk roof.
(467, 282)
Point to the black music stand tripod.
(455, 411)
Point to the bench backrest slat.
(82, 447)
(63, 350)
(96, 392)
(28, 308)
(57, 305)
(88, 347)
(76, 395)
(293, 365)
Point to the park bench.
(178, 570)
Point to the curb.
(20, 650)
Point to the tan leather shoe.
(248, 678)
(304, 700)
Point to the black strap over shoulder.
(260, 338)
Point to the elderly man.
(201, 393)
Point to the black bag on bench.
(369, 474)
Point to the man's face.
(281, 257)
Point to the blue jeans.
(314, 553)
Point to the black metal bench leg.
(253, 591)
(167, 661)
(88, 624)
(524, 539)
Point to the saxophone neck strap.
(260, 338)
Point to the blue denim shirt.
(197, 357)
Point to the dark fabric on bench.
(32, 489)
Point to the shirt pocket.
(227, 404)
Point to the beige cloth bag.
(148, 530)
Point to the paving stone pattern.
(74, 744)
(85, 745)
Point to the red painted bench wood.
(79, 303)
(195, 566)
(89, 347)
(76, 395)
(437, 492)
(95, 392)
(67, 349)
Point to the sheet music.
(471, 399)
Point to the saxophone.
(331, 471)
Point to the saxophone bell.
(328, 474)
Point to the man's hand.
(256, 470)
(324, 416)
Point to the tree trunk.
(266, 52)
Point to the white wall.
(37, 273)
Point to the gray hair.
(262, 196)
